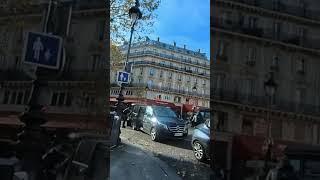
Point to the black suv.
(160, 122)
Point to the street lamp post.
(270, 88)
(135, 14)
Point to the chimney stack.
(198, 50)
(184, 46)
(158, 39)
(174, 43)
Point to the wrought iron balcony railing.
(164, 88)
(170, 66)
(263, 101)
(267, 33)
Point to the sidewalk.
(131, 162)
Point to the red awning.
(253, 147)
(187, 107)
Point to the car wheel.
(154, 134)
(198, 151)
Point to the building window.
(169, 85)
(301, 66)
(221, 48)
(95, 62)
(150, 83)
(299, 96)
(252, 22)
(179, 77)
(4, 39)
(275, 61)
(252, 54)
(161, 74)
(177, 99)
(250, 87)
(247, 126)
(101, 30)
(170, 75)
(151, 72)
(2, 61)
(301, 33)
(141, 71)
(276, 30)
(17, 62)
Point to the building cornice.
(266, 12)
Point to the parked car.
(160, 122)
(200, 116)
(201, 141)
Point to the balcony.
(263, 102)
(269, 34)
(179, 59)
(169, 89)
(252, 31)
(250, 63)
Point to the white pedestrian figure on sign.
(37, 47)
(47, 55)
(121, 76)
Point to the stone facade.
(171, 73)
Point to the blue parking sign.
(42, 50)
(123, 77)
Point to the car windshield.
(205, 115)
(164, 112)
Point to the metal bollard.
(115, 131)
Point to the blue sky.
(185, 22)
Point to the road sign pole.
(33, 115)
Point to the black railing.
(296, 10)
(289, 38)
(164, 88)
(263, 101)
(170, 66)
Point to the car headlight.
(154, 119)
(163, 125)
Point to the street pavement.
(132, 162)
(177, 154)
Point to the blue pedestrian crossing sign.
(123, 77)
(43, 50)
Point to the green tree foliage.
(120, 22)
(115, 54)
